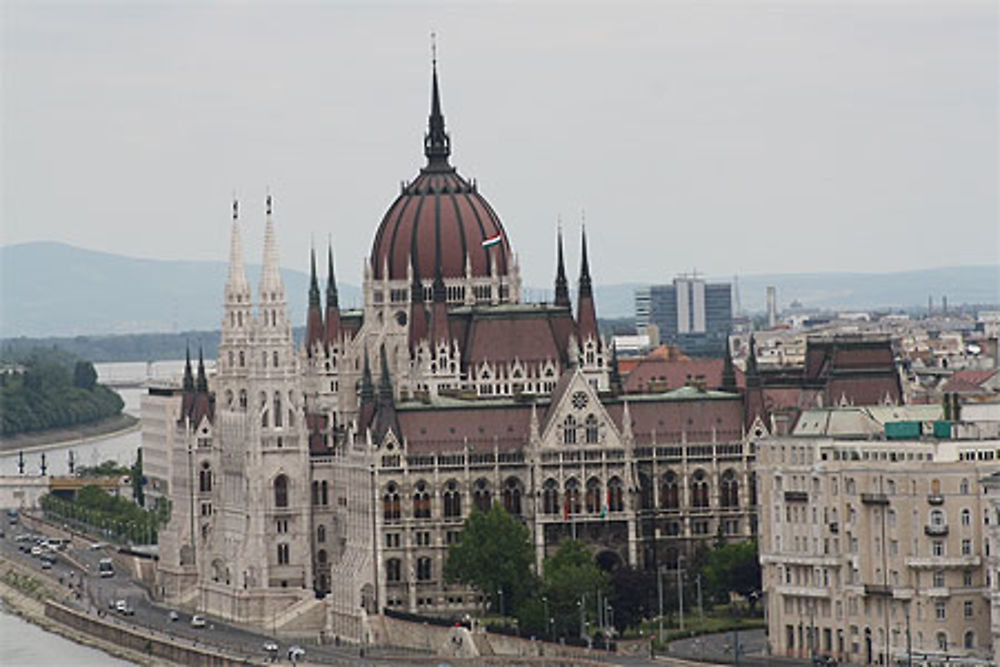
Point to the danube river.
(22, 643)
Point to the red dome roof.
(439, 219)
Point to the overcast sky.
(730, 137)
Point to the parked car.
(46, 563)
(296, 653)
(198, 621)
(173, 615)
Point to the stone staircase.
(305, 615)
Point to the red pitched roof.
(480, 427)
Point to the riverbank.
(24, 594)
(74, 435)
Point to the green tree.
(84, 375)
(633, 595)
(494, 556)
(570, 581)
(733, 567)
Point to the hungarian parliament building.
(314, 486)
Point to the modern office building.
(690, 313)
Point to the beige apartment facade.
(874, 551)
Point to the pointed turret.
(418, 311)
(366, 397)
(188, 375)
(586, 316)
(237, 282)
(332, 301)
(439, 312)
(437, 143)
(385, 415)
(272, 289)
(562, 288)
(314, 316)
(754, 396)
(202, 385)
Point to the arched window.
(699, 489)
(243, 357)
(229, 397)
(315, 493)
(205, 478)
(424, 571)
(590, 428)
(645, 492)
(281, 491)
(550, 497)
(421, 501)
(753, 488)
(966, 517)
(970, 639)
(263, 409)
(670, 497)
(964, 487)
(942, 641)
(390, 503)
(569, 430)
(277, 410)
(243, 399)
(324, 493)
(572, 497)
(452, 500)
(481, 495)
(274, 358)
(937, 518)
(512, 496)
(730, 490)
(321, 534)
(593, 496)
(393, 570)
(616, 496)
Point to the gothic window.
(393, 570)
(321, 557)
(205, 478)
(315, 493)
(243, 359)
(593, 496)
(277, 410)
(274, 358)
(590, 426)
(645, 492)
(970, 639)
(670, 492)
(281, 491)
(572, 497)
(263, 359)
(512, 496)
(481, 495)
(730, 490)
(452, 500)
(231, 359)
(551, 497)
(324, 493)
(569, 430)
(423, 569)
(421, 502)
(699, 489)
(616, 497)
(283, 555)
(321, 534)
(753, 488)
(229, 399)
(390, 503)
(263, 409)
(243, 399)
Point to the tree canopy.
(733, 567)
(494, 555)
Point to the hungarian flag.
(492, 241)
(566, 510)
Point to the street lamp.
(545, 601)
(500, 594)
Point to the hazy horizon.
(732, 138)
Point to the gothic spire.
(586, 314)
(615, 378)
(313, 282)
(202, 386)
(270, 275)
(237, 282)
(585, 286)
(437, 143)
(332, 300)
(728, 372)
(314, 317)
(367, 387)
(385, 382)
(188, 375)
(562, 289)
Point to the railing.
(878, 589)
(874, 499)
(796, 497)
(936, 531)
(935, 499)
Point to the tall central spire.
(237, 283)
(437, 143)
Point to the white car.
(198, 621)
(296, 653)
(174, 615)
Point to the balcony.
(834, 527)
(878, 589)
(935, 499)
(796, 497)
(936, 531)
(942, 562)
(874, 499)
(937, 592)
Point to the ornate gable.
(576, 416)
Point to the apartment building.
(875, 538)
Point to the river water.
(22, 643)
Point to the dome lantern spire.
(437, 143)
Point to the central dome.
(439, 222)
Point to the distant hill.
(53, 289)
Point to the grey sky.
(731, 137)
